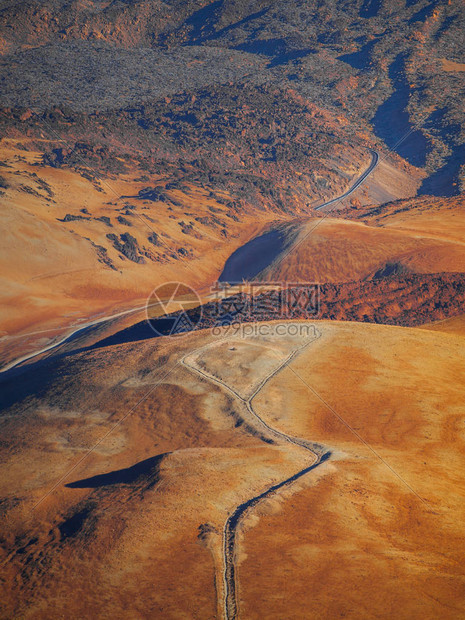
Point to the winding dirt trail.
(318, 452)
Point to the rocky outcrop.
(128, 246)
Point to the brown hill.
(85, 241)
(75, 247)
(121, 465)
(413, 236)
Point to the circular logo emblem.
(173, 308)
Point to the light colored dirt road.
(318, 453)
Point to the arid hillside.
(76, 248)
(232, 309)
(359, 534)
(394, 67)
(79, 248)
(122, 464)
(86, 241)
(143, 142)
(419, 235)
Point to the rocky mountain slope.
(394, 66)
(153, 132)
(307, 460)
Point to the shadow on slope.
(370, 8)
(147, 469)
(392, 124)
(277, 49)
(250, 259)
(360, 60)
(444, 181)
(202, 22)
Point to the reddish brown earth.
(363, 544)
(133, 527)
(144, 142)
(81, 247)
(408, 301)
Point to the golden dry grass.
(150, 545)
(348, 539)
(335, 250)
(51, 273)
(359, 543)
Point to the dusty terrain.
(54, 264)
(81, 247)
(419, 235)
(306, 460)
(119, 442)
(386, 68)
(399, 263)
(201, 126)
(375, 394)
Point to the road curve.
(319, 454)
(82, 328)
(67, 338)
(250, 260)
(356, 185)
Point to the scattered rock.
(105, 219)
(123, 220)
(128, 246)
(154, 194)
(73, 218)
(154, 239)
(188, 229)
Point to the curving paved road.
(67, 338)
(318, 452)
(254, 257)
(356, 185)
